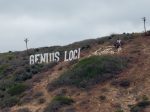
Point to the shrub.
(49, 66)
(6, 83)
(30, 71)
(27, 72)
(125, 83)
(85, 47)
(139, 106)
(10, 57)
(23, 76)
(119, 110)
(9, 101)
(7, 57)
(102, 98)
(3, 68)
(63, 100)
(102, 40)
(26, 100)
(41, 101)
(17, 89)
(91, 71)
(37, 50)
(23, 110)
(57, 103)
(38, 94)
(70, 109)
(1, 94)
(145, 98)
(73, 62)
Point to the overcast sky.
(60, 22)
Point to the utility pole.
(144, 20)
(26, 41)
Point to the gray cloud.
(59, 22)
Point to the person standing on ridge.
(118, 44)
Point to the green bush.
(57, 103)
(119, 110)
(63, 100)
(1, 94)
(23, 76)
(30, 71)
(17, 89)
(145, 98)
(3, 68)
(124, 83)
(23, 110)
(27, 72)
(91, 71)
(140, 106)
(85, 47)
(9, 101)
(6, 83)
(7, 56)
(103, 40)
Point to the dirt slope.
(115, 97)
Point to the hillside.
(102, 80)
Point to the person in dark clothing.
(118, 43)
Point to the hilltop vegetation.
(90, 71)
(57, 103)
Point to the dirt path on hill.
(41, 87)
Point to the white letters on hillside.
(54, 57)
